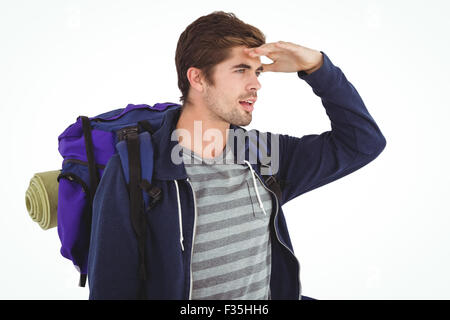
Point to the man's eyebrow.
(246, 66)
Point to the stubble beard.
(233, 115)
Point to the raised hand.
(287, 57)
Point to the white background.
(379, 233)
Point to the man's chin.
(244, 122)
(240, 118)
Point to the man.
(218, 231)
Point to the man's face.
(235, 81)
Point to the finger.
(282, 44)
(262, 50)
(256, 52)
(269, 46)
(287, 45)
(290, 46)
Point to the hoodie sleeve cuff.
(322, 78)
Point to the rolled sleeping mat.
(41, 198)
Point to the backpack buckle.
(270, 180)
(154, 192)
(123, 133)
(273, 185)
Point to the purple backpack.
(86, 147)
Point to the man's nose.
(254, 83)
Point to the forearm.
(350, 120)
(355, 140)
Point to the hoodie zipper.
(193, 237)
(278, 238)
(276, 233)
(180, 220)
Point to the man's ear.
(195, 78)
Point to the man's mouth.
(248, 104)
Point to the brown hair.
(208, 41)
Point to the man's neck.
(208, 133)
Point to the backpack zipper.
(120, 113)
(75, 178)
(84, 163)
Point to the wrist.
(316, 66)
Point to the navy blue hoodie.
(305, 163)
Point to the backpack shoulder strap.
(260, 143)
(136, 155)
(273, 184)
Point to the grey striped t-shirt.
(231, 253)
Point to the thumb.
(268, 67)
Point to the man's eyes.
(258, 73)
